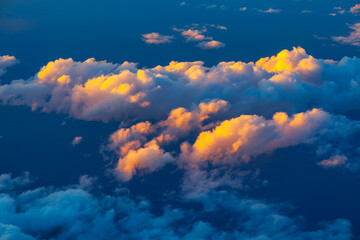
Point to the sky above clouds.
(179, 119)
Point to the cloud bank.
(72, 212)
(291, 81)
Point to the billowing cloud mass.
(292, 81)
(240, 138)
(72, 212)
(211, 45)
(5, 62)
(223, 109)
(231, 142)
(156, 38)
(354, 37)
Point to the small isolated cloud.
(334, 161)
(355, 9)
(218, 27)
(354, 37)
(193, 35)
(5, 62)
(156, 38)
(76, 140)
(306, 11)
(243, 9)
(212, 6)
(213, 44)
(270, 10)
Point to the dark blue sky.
(39, 31)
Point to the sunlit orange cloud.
(134, 144)
(98, 90)
(238, 139)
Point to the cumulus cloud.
(5, 62)
(354, 37)
(98, 90)
(211, 45)
(238, 139)
(139, 147)
(71, 212)
(156, 38)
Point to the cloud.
(218, 27)
(71, 212)
(292, 81)
(270, 10)
(354, 37)
(211, 45)
(243, 9)
(8, 183)
(139, 147)
(156, 38)
(306, 11)
(5, 62)
(334, 161)
(76, 140)
(355, 9)
(238, 139)
(193, 35)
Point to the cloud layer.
(72, 212)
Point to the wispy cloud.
(270, 10)
(352, 39)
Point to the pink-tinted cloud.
(77, 140)
(352, 39)
(156, 38)
(334, 161)
(355, 9)
(211, 45)
(5, 62)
